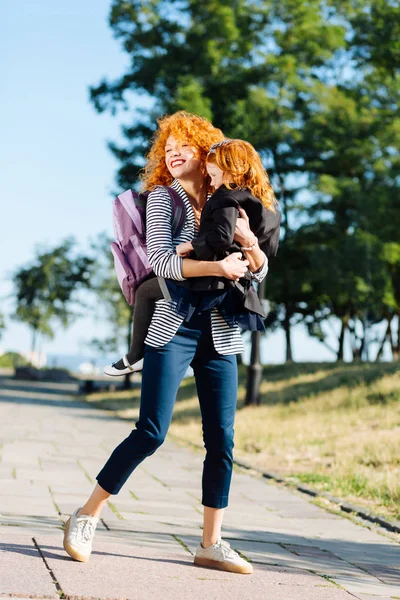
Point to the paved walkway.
(51, 448)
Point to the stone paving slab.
(278, 537)
(186, 513)
(83, 490)
(366, 585)
(29, 521)
(323, 561)
(137, 573)
(160, 525)
(22, 570)
(389, 574)
(15, 488)
(75, 479)
(36, 506)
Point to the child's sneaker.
(112, 371)
(221, 556)
(78, 536)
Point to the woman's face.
(181, 159)
(216, 174)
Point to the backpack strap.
(178, 206)
(179, 210)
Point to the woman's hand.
(184, 249)
(243, 233)
(233, 267)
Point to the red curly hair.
(185, 128)
(243, 168)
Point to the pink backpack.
(130, 249)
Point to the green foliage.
(376, 27)
(46, 289)
(10, 360)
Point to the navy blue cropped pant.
(216, 383)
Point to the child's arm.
(220, 238)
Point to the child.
(239, 180)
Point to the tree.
(354, 179)
(313, 84)
(46, 290)
(254, 79)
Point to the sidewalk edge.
(345, 507)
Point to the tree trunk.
(363, 353)
(254, 371)
(33, 342)
(384, 340)
(129, 334)
(285, 223)
(127, 382)
(340, 352)
(396, 344)
(288, 337)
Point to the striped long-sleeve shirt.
(166, 263)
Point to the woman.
(177, 158)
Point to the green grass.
(333, 426)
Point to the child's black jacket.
(215, 241)
(218, 222)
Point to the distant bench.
(101, 383)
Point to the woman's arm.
(231, 267)
(160, 248)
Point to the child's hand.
(184, 249)
(243, 233)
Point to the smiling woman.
(205, 341)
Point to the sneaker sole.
(70, 550)
(223, 566)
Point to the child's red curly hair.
(243, 168)
(186, 128)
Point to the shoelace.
(226, 550)
(85, 530)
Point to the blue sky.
(57, 173)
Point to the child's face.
(216, 174)
(181, 159)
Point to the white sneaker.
(113, 372)
(78, 536)
(221, 556)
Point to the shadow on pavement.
(43, 394)
(27, 550)
(20, 549)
